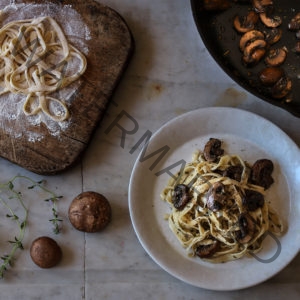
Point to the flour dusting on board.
(77, 33)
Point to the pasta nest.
(36, 60)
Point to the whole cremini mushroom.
(90, 212)
(45, 252)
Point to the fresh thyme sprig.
(55, 220)
(8, 190)
(53, 199)
(7, 260)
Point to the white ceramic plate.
(243, 133)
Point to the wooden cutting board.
(47, 147)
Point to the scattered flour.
(77, 33)
(68, 18)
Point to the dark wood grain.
(110, 48)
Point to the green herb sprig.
(10, 194)
(53, 199)
(7, 260)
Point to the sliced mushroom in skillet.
(256, 56)
(294, 24)
(261, 173)
(212, 150)
(256, 44)
(282, 88)
(273, 36)
(261, 6)
(216, 197)
(296, 49)
(206, 251)
(246, 228)
(245, 23)
(270, 75)
(250, 37)
(181, 196)
(279, 84)
(276, 57)
(253, 200)
(254, 52)
(269, 20)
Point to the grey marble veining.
(170, 73)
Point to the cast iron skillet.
(222, 41)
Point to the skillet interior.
(222, 41)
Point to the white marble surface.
(170, 73)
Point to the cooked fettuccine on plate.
(218, 207)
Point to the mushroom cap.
(90, 212)
(45, 252)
